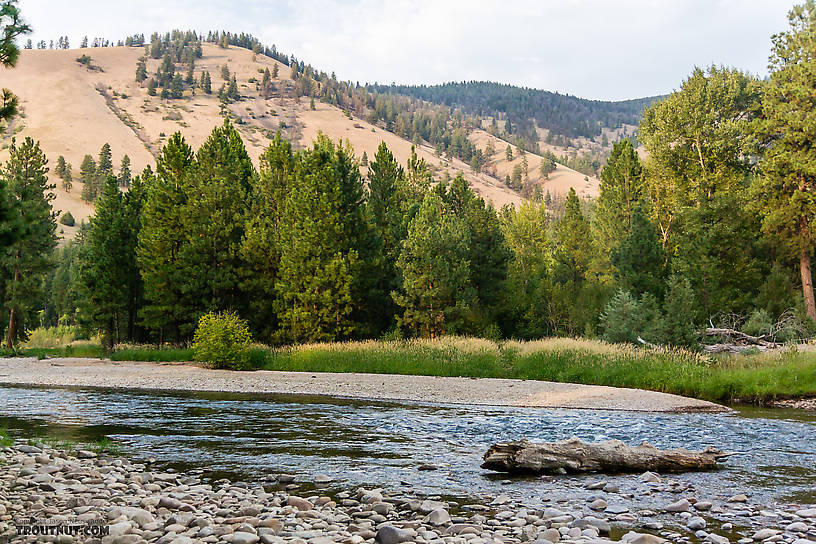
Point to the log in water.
(574, 456)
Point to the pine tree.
(88, 176)
(638, 259)
(221, 182)
(508, 153)
(59, 169)
(26, 260)
(107, 263)
(622, 191)
(12, 27)
(124, 172)
(151, 87)
(68, 179)
(141, 70)
(574, 239)
(434, 263)
(104, 165)
(385, 180)
(206, 82)
(160, 243)
(322, 227)
(178, 87)
(275, 71)
(260, 247)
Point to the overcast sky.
(604, 49)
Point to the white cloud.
(592, 48)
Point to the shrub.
(67, 219)
(626, 318)
(52, 337)
(223, 340)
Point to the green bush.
(223, 340)
(67, 219)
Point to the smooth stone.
(286, 478)
(649, 478)
(762, 534)
(389, 534)
(696, 522)
(717, 539)
(299, 503)
(679, 506)
(642, 538)
(322, 479)
(598, 504)
(797, 527)
(550, 535)
(244, 538)
(120, 528)
(806, 513)
(738, 498)
(703, 506)
(437, 517)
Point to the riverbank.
(117, 500)
(760, 378)
(442, 390)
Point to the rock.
(271, 523)
(598, 505)
(703, 506)
(428, 506)
(611, 488)
(501, 499)
(182, 540)
(438, 517)
(170, 503)
(641, 538)
(802, 541)
(738, 498)
(244, 538)
(679, 506)
(696, 522)
(762, 534)
(797, 527)
(286, 478)
(26, 448)
(427, 467)
(85, 454)
(120, 528)
(322, 479)
(550, 535)
(649, 478)
(299, 503)
(389, 534)
(717, 539)
(806, 513)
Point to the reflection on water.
(364, 443)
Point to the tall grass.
(51, 337)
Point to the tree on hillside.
(435, 267)
(124, 172)
(11, 26)
(68, 179)
(160, 243)
(177, 87)
(27, 259)
(141, 70)
(104, 165)
(59, 169)
(786, 189)
(88, 175)
(508, 153)
(275, 71)
(206, 82)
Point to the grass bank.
(753, 378)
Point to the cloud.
(592, 48)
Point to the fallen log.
(611, 457)
(739, 335)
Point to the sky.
(599, 49)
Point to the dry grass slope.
(73, 110)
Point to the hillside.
(73, 109)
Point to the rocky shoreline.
(112, 500)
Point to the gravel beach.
(391, 387)
(47, 492)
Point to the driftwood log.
(611, 457)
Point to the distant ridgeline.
(561, 114)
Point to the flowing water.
(383, 444)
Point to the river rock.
(806, 513)
(649, 478)
(389, 534)
(598, 505)
(738, 498)
(762, 534)
(696, 522)
(717, 539)
(428, 506)
(641, 538)
(797, 527)
(549, 535)
(438, 517)
(299, 503)
(682, 505)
